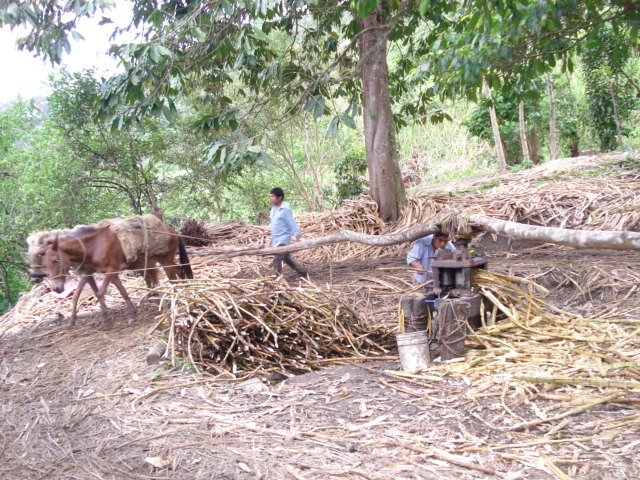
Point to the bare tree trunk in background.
(5, 284)
(615, 114)
(319, 197)
(523, 133)
(534, 145)
(385, 181)
(497, 138)
(553, 131)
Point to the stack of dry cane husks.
(539, 343)
(234, 232)
(260, 325)
(583, 203)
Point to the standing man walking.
(284, 230)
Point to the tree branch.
(608, 240)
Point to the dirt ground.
(82, 403)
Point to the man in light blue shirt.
(422, 251)
(284, 230)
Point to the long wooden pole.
(608, 240)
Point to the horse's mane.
(37, 240)
(79, 231)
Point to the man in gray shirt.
(284, 230)
(423, 250)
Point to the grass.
(434, 154)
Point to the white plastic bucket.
(413, 350)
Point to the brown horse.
(98, 249)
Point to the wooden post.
(456, 317)
(453, 328)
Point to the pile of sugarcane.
(244, 326)
(235, 232)
(538, 343)
(584, 203)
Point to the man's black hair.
(278, 192)
(440, 233)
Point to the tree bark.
(553, 131)
(497, 138)
(608, 240)
(385, 181)
(342, 236)
(523, 133)
(603, 239)
(534, 145)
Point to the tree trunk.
(523, 133)
(553, 131)
(5, 284)
(385, 181)
(616, 118)
(608, 240)
(497, 138)
(534, 145)
(319, 197)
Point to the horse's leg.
(123, 292)
(74, 301)
(107, 279)
(151, 273)
(170, 268)
(96, 291)
(172, 271)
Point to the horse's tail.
(185, 266)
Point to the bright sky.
(28, 76)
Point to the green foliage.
(444, 48)
(39, 189)
(130, 164)
(432, 154)
(478, 39)
(350, 170)
(571, 112)
(233, 54)
(603, 61)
